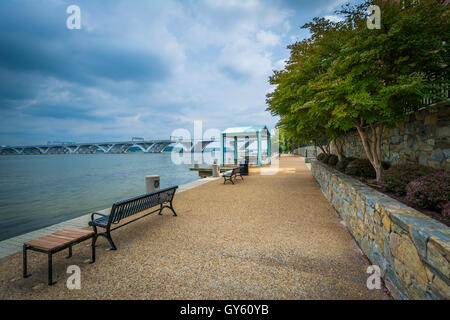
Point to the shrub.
(321, 156)
(397, 178)
(446, 211)
(386, 165)
(332, 160)
(325, 159)
(361, 168)
(341, 165)
(431, 191)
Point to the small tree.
(349, 76)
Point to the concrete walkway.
(267, 237)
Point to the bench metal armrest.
(97, 213)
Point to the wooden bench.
(230, 175)
(126, 208)
(56, 242)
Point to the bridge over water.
(147, 146)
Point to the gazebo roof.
(244, 130)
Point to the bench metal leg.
(70, 253)
(173, 210)
(25, 273)
(160, 209)
(230, 179)
(94, 239)
(95, 232)
(50, 270)
(107, 235)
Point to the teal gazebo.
(239, 146)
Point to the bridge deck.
(147, 146)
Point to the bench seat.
(101, 222)
(55, 242)
(231, 175)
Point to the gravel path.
(268, 237)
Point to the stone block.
(402, 273)
(420, 239)
(442, 143)
(416, 292)
(446, 153)
(437, 155)
(404, 250)
(440, 288)
(395, 285)
(423, 158)
(377, 257)
(434, 164)
(396, 139)
(438, 258)
(386, 222)
(405, 217)
(431, 119)
(443, 132)
(425, 147)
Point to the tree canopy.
(347, 76)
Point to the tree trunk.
(325, 149)
(372, 146)
(339, 145)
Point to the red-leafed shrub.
(397, 178)
(446, 211)
(386, 165)
(361, 168)
(321, 156)
(431, 191)
(325, 158)
(341, 165)
(332, 160)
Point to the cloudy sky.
(141, 67)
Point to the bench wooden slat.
(48, 242)
(78, 231)
(58, 239)
(55, 242)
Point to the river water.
(38, 191)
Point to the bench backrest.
(125, 208)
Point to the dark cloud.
(79, 58)
(138, 67)
(63, 111)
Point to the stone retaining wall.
(411, 249)
(423, 138)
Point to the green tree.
(287, 142)
(364, 78)
(294, 98)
